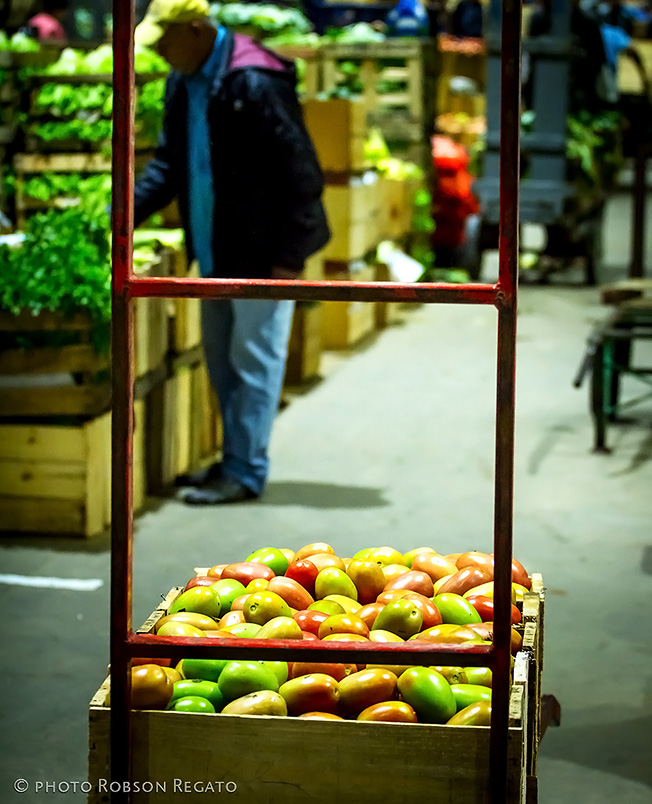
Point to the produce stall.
(491, 759)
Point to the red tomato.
(485, 607)
(310, 620)
(304, 573)
(200, 580)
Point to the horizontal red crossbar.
(293, 650)
(420, 292)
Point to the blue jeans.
(245, 343)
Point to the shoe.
(201, 477)
(219, 492)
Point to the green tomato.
(193, 703)
(455, 609)
(228, 589)
(280, 670)
(240, 678)
(467, 694)
(207, 669)
(272, 557)
(198, 688)
(428, 693)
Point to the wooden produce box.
(338, 129)
(387, 313)
(310, 80)
(398, 83)
(305, 345)
(73, 379)
(264, 759)
(397, 207)
(185, 314)
(184, 427)
(345, 324)
(353, 208)
(56, 479)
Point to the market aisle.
(396, 447)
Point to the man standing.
(235, 152)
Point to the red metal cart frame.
(125, 645)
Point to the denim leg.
(216, 326)
(248, 380)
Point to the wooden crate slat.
(73, 400)
(450, 763)
(63, 480)
(38, 515)
(38, 442)
(46, 320)
(74, 358)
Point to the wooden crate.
(71, 380)
(56, 479)
(404, 114)
(397, 206)
(310, 82)
(183, 424)
(338, 129)
(345, 324)
(357, 762)
(305, 345)
(353, 208)
(58, 394)
(387, 313)
(185, 313)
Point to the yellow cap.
(161, 13)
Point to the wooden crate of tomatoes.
(300, 731)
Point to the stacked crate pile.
(352, 199)
(461, 87)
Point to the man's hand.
(283, 273)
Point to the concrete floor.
(396, 447)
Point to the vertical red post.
(122, 391)
(508, 232)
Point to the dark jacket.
(266, 177)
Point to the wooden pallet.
(356, 764)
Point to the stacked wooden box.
(183, 422)
(55, 427)
(397, 80)
(352, 199)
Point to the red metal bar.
(122, 225)
(291, 650)
(426, 292)
(508, 231)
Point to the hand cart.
(126, 287)
(608, 358)
(573, 224)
